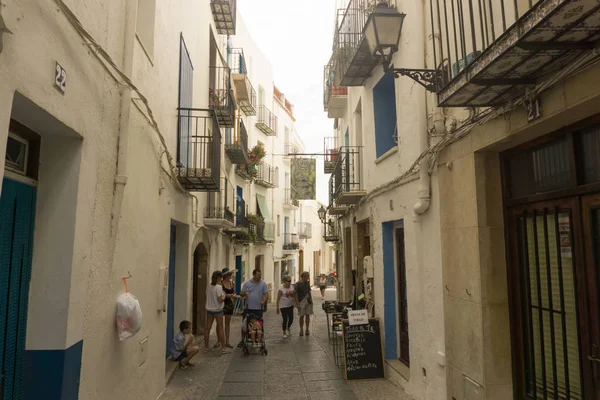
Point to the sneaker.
(284, 335)
(289, 333)
(226, 351)
(307, 332)
(301, 333)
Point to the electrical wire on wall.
(121, 78)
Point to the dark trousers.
(288, 317)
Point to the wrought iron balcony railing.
(348, 188)
(219, 213)
(245, 93)
(331, 234)
(220, 96)
(330, 150)
(489, 51)
(353, 62)
(267, 121)
(334, 97)
(224, 13)
(267, 175)
(246, 171)
(291, 242)
(198, 150)
(305, 230)
(289, 149)
(236, 143)
(289, 201)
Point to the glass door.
(591, 235)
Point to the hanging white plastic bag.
(129, 316)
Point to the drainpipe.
(124, 124)
(424, 190)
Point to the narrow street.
(295, 368)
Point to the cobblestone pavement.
(295, 368)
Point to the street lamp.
(382, 33)
(322, 213)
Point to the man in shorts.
(255, 292)
(304, 301)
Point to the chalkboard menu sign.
(363, 353)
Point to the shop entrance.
(552, 194)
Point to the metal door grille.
(548, 285)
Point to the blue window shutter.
(384, 106)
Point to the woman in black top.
(228, 308)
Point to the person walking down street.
(322, 285)
(285, 304)
(256, 292)
(215, 299)
(304, 302)
(229, 304)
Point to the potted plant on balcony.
(217, 98)
(331, 228)
(255, 156)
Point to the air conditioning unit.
(462, 64)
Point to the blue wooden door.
(171, 295)
(240, 206)
(17, 215)
(239, 274)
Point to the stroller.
(248, 343)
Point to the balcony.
(290, 242)
(224, 13)
(290, 149)
(492, 52)
(305, 230)
(334, 97)
(219, 212)
(330, 150)
(331, 234)
(290, 202)
(267, 175)
(241, 218)
(334, 208)
(347, 176)
(220, 96)
(267, 121)
(352, 60)
(245, 93)
(236, 143)
(246, 171)
(198, 150)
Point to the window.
(384, 105)
(261, 96)
(144, 27)
(278, 225)
(402, 296)
(186, 78)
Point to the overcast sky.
(296, 36)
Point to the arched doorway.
(200, 278)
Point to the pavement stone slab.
(323, 376)
(241, 389)
(239, 376)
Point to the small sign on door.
(358, 317)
